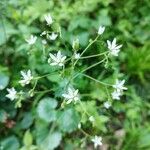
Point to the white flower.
(44, 42)
(97, 140)
(71, 95)
(107, 105)
(113, 47)
(12, 94)
(77, 55)
(53, 36)
(116, 95)
(27, 77)
(57, 59)
(119, 85)
(31, 40)
(48, 19)
(101, 30)
(43, 33)
(91, 118)
(79, 126)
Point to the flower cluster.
(26, 79)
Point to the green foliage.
(44, 121)
(68, 120)
(27, 139)
(10, 143)
(46, 109)
(52, 141)
(3, 115)
(4, 79)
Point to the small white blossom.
(77, 55)
(113, 47)
(91, 118)
(119, 85)
(31, 40)
(79, 126)
(107, 105)
(97, 140)
(26, 77)
(116, 95)
(43, 33)
(44, 42)
(71, 95)
(48, 19)
(53, 36)
(12, 94)
(101, 30)
(56, 59)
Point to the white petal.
(114, 42)
(69, 101)
(63, 58)
(53, 64)
(108, 43)
(59, 55)
(119, 46)
(53, 57)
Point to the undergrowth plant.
(62, 107)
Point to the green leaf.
(10, 143)
(3, 38)
(144, 139)
(32, 147)
(52, 141)
(68, 120)
(27, 120)
(41, 130)
(104, 18)
(27, 138)
(4, 79)
(46, 110)
(3, 115)
(54, 77)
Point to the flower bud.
(75, 44)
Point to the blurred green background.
(126, 126)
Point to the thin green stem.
(87, 48)
(106, 84)
(84, 71)
(43, 76)
(90, 45)
(93, 55)
(85, 133)
(93, 65)
(67, 60)
(35, 83)
(45, 91)
(108, 95)
(81, 104)
(90, 67)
